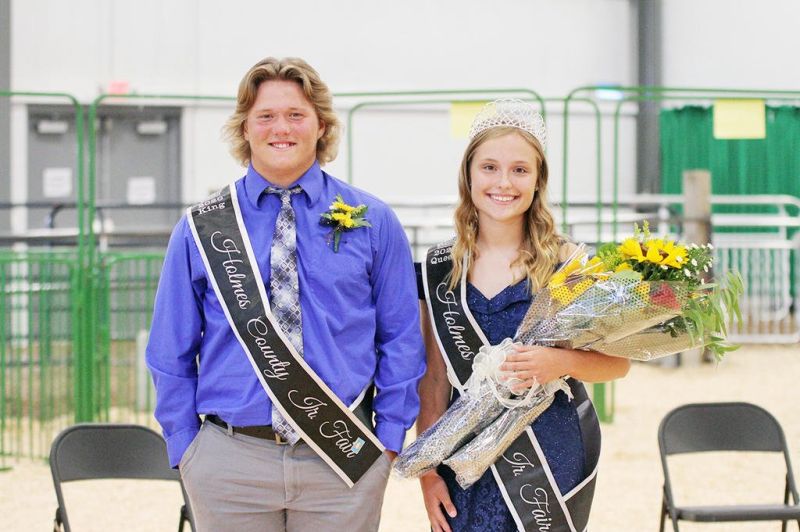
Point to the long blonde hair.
(286, 69)
(538, 253)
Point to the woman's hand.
(436, 496)
(533, 364)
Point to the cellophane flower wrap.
(641, 299)
(468, 414)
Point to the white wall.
(552, 46)
(204, 47)
(742, 44)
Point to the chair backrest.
(719, 427)
(94, 451)
(705, 427)
(109, 451)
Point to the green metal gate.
(38, 330)
(42, 379)
(126, 286)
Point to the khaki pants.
(244, 484)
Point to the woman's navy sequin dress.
(481, 506)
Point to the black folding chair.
(110, 451)
(724, 427)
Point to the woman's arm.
(545, 364)
(434, 394)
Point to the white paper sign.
(141, 190)
(57, 182)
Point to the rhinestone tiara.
(510, 112)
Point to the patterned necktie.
(285, 289)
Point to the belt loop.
(230, 429)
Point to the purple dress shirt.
(359, 309)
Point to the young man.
(275, 337)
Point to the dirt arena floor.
(628, 493)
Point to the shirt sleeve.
(174, 342)
(398, 341)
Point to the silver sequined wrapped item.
(472, 460)
(467, 416)
(484, 397)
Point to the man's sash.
(313, 410)
(522, 472)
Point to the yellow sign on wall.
(461, 116)
(739, 119)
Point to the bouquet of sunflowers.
(642, 299)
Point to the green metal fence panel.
(38, 328)
(82, 303)
(126, 287)
(42, 379)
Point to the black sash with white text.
(522, 472)
(305, 401)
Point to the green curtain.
(764, 166)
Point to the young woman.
(507, 242)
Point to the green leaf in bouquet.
(609, 248)
(735, 288)
(705, 314)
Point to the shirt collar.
(311, 181)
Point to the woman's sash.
(522, 472)
(305, 401)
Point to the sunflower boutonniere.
(343, 217)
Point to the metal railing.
(636, 94)
(39, 384)
(126, 291)
(423, 98)
(41, 380)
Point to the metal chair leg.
(183, 518)
(57, 521)
(674, 522)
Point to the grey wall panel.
(137, 165)
(52, 162)
(138, 161)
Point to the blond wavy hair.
(539, 252)
(286, 69)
